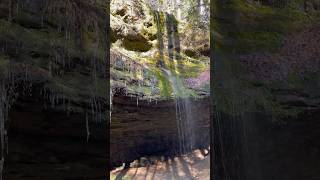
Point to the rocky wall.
(149, 128)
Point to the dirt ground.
(193, 166)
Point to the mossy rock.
(196, 52)
(142, 45)
(247, 27)
(31, 39)
(149, 33)
(192, 53)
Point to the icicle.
(99, 111)
(6, 140)
(87, 128)
(68, 108)
(137, 101)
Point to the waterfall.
(183, 104)
(185, 124)
(184, 113)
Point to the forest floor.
(192, 166)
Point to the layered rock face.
(54, 85)
(266, 89)
(267, 51)
(53, 145)
(149, 128)
(147, 35)
(252, 146)
(53, 49)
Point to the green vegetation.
(249, 28)
(55, 51)
(160, 29)
(239, 28)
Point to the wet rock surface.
(44, 157)
(49, 144)
(256, 147)
(53, 75)
(299, 54)
(150, 128)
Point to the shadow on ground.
(192, 166)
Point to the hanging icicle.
(87, 128)
(137, 101)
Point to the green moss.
(239, 27)
(140, 46)
(73, 83)
(255, 41)
(38, 47)
(47, 42)
(149, 33)
(249, 28)
(164, 84)
(309, 83)
(235, 94)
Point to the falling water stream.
(183, 104)
(184, 113)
